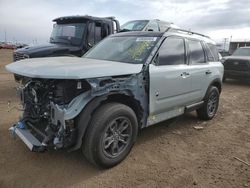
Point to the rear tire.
(211, 103)
(110, 135)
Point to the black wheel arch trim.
(217, 83)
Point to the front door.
(170, 81)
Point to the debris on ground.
(198, 127)
(246, 163)
(177, 132)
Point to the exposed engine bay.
(50, 106)
(39, 98)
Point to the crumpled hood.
(71, 68)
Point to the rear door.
(170, 81)
(199, 68)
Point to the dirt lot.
(170, 154)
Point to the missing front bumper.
(31, 141)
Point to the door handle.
(185, 74)
(208, 72)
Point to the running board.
(31, 141)
(194, 106)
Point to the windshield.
(136, 25)
(242, 52)
(70, 33)
(123, 49)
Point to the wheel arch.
(127, 100)
(217, 83)
(85, 116)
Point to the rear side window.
(214, 51)
(196, 53)
(209, 53)
(172, 52)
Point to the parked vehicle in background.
(147, 25)
(237, 66)
(20, 45)
(71, 36)
(127, 82)
(12, 46)
(7, 46)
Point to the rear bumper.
(30, 140)
(236, 74)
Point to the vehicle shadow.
(72, 169)
(84, 170)
(179, 125)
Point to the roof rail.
(186, 31)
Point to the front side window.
(172, 52)
(70, 33)
(196, 53)
(127, 49)
(95, 33)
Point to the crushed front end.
(49, 108)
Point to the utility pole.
(5, 36)
(225, 41)
(230, 46)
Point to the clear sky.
(29, 20)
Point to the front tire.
(110, 135)
(211, 103)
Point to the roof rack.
(83, 17)
(186, 31)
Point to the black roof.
(139, 33)
(86, 17)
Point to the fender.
(84, 118)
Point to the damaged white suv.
(125, 83)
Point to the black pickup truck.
(71, 36)
(237, 66)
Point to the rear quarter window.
(196, 52)
(214, 51)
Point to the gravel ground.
(170, 154)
